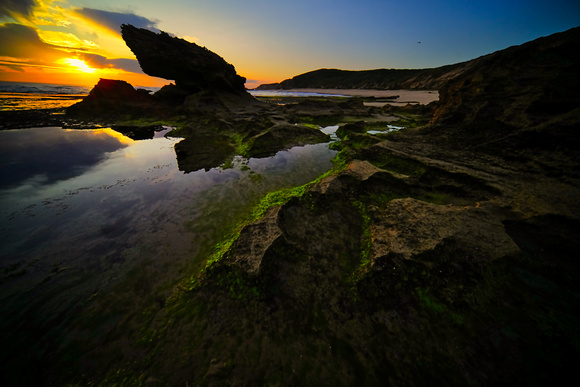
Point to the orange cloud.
(53, 44)
(23, 43)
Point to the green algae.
(366, 244)
(230, 233)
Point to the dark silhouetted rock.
(193, 68)
(112, 97)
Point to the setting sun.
(78, 64)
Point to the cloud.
(101, 62)
(16, 7)
(113, 20)
(20, 41)
(22, 46)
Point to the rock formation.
(110, 98)
(193, 68)
(523, 97)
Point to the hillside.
(426, 79)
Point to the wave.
(41, 88)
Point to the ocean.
(26, 96)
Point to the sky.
(78, 41)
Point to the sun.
(78, 65)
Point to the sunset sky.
(78, 41)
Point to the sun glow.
(78, 65)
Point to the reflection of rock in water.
(280, 137)
(202, 152)
(138, 132)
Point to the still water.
(84, 211)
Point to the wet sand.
(405, 96)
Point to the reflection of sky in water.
(96, 203)
(45, 155)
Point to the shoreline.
(422, 97)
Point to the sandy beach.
(405, 96)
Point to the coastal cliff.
(421, 79)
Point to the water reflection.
(27, 101)
(40, 156)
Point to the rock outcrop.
(193, 68)
(526, 97)
(110, 98)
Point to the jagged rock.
(110, 97)
(193, 68)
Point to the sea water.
(25, 95)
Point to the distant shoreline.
(422, 97)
